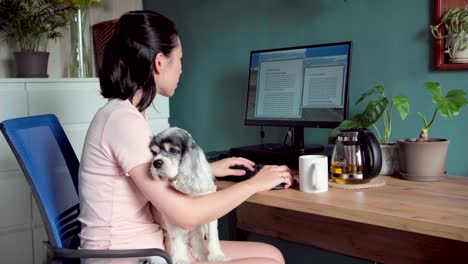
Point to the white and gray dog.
(179, 160)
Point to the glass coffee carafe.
(356, 158)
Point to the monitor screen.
(299, 86)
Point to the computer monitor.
(299, 87)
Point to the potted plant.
(379, 108)
(423, 158)
(453, 27)
(31, 24)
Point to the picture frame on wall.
(441, 59)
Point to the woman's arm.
(184, 210)
(188, 212)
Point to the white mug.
(313, 173)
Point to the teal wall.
(392, 46)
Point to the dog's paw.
(217, 257)
(180, 261)
(152, 260)
(200, 254)
(177, 260)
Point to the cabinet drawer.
(72, 102)
(78, 102)
(13, 104)
(15, 202)
(16, 246)
(7, 158)
(13, 101)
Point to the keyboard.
(248, 175)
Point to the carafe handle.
(372, 153)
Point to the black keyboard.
(248, 174)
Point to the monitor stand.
(278, 154)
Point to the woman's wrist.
(250, 186)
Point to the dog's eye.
(154, 149)
(174, 151)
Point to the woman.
(144, 58)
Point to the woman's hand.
(270, 176)
(222, 168)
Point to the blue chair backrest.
(51, 168)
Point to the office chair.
(50, 165)
(101, 32)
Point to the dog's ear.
(156, 142)
(190, 156)
(183, 139)
(195, 174)
(189, 170)
(154, 147)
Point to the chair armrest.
(64, 253)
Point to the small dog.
(179, 160)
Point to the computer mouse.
(279, 186)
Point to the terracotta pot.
(423, 161)
(390, 159)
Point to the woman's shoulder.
(122, 115)
(117, 109)
(117, 105)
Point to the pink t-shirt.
(114, 213)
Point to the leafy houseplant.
(31, 24)
(448, 106)
(455, 24)
(379, 108)
(423, 159)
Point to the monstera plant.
(378, 114)
(423, 158)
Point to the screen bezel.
(293, 123)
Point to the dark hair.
(127, 63)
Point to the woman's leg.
(247, 252)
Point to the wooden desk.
(401, 222)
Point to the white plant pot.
(390, 159)
(461, 56)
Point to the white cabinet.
(74, 102)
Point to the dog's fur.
(179, 160)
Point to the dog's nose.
(158, 163)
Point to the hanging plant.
(455, 24)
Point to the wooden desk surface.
(431, 208)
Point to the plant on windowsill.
(453, 28)
(379, 108)
(30, 24)
(423, 158)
